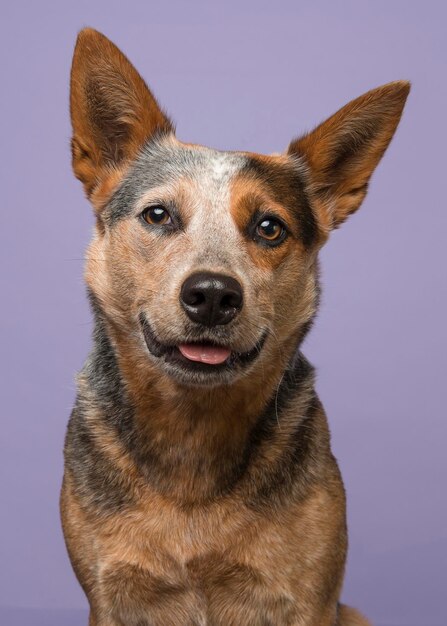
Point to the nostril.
(194, 298)
(231, 301)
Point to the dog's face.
(209, 256)
(207, 260)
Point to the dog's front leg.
(130, 595)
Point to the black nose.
(211, 299)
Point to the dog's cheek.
(111, 271)
(96, 270)
(295, 293)
(275, 291)
(258, 286)
(157, 279)
(143, 273)
(126, 269)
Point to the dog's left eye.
(156, 215)
(271, 231)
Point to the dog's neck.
(196, 443)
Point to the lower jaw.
(200, 374)
(195, 373)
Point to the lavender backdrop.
(246, 75)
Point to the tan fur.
(105, 187)
(102, 77)
(200, 513)
(344, 188)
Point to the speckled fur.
(191, 498)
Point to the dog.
(199, 484)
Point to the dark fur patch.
(102, 372)
(291, 470)
(286, 185)
(95, 476)
(97, 479)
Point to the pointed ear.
(113, 113)
(343, 151)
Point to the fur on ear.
(113, 113)
(343, 151)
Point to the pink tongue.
(213, 355)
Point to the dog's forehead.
(165, 161)
(178, 159)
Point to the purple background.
(247, 75)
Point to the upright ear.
(343, 151)
(113, 113)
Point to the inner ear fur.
(343, 151)
(113, 113)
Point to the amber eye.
(271, 230)
(156, 215)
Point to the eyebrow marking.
(287, 186)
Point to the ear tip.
(402, 86)
(89, 33)
(398, 89)
(88, 37)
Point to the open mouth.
(197, 356)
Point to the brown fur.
(367, 123)
(121, 111)
(188, 505)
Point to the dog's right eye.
(156, 215)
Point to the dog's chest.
(210, 567)
(172, 542)
(199, 570)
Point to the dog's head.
(206, 261)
